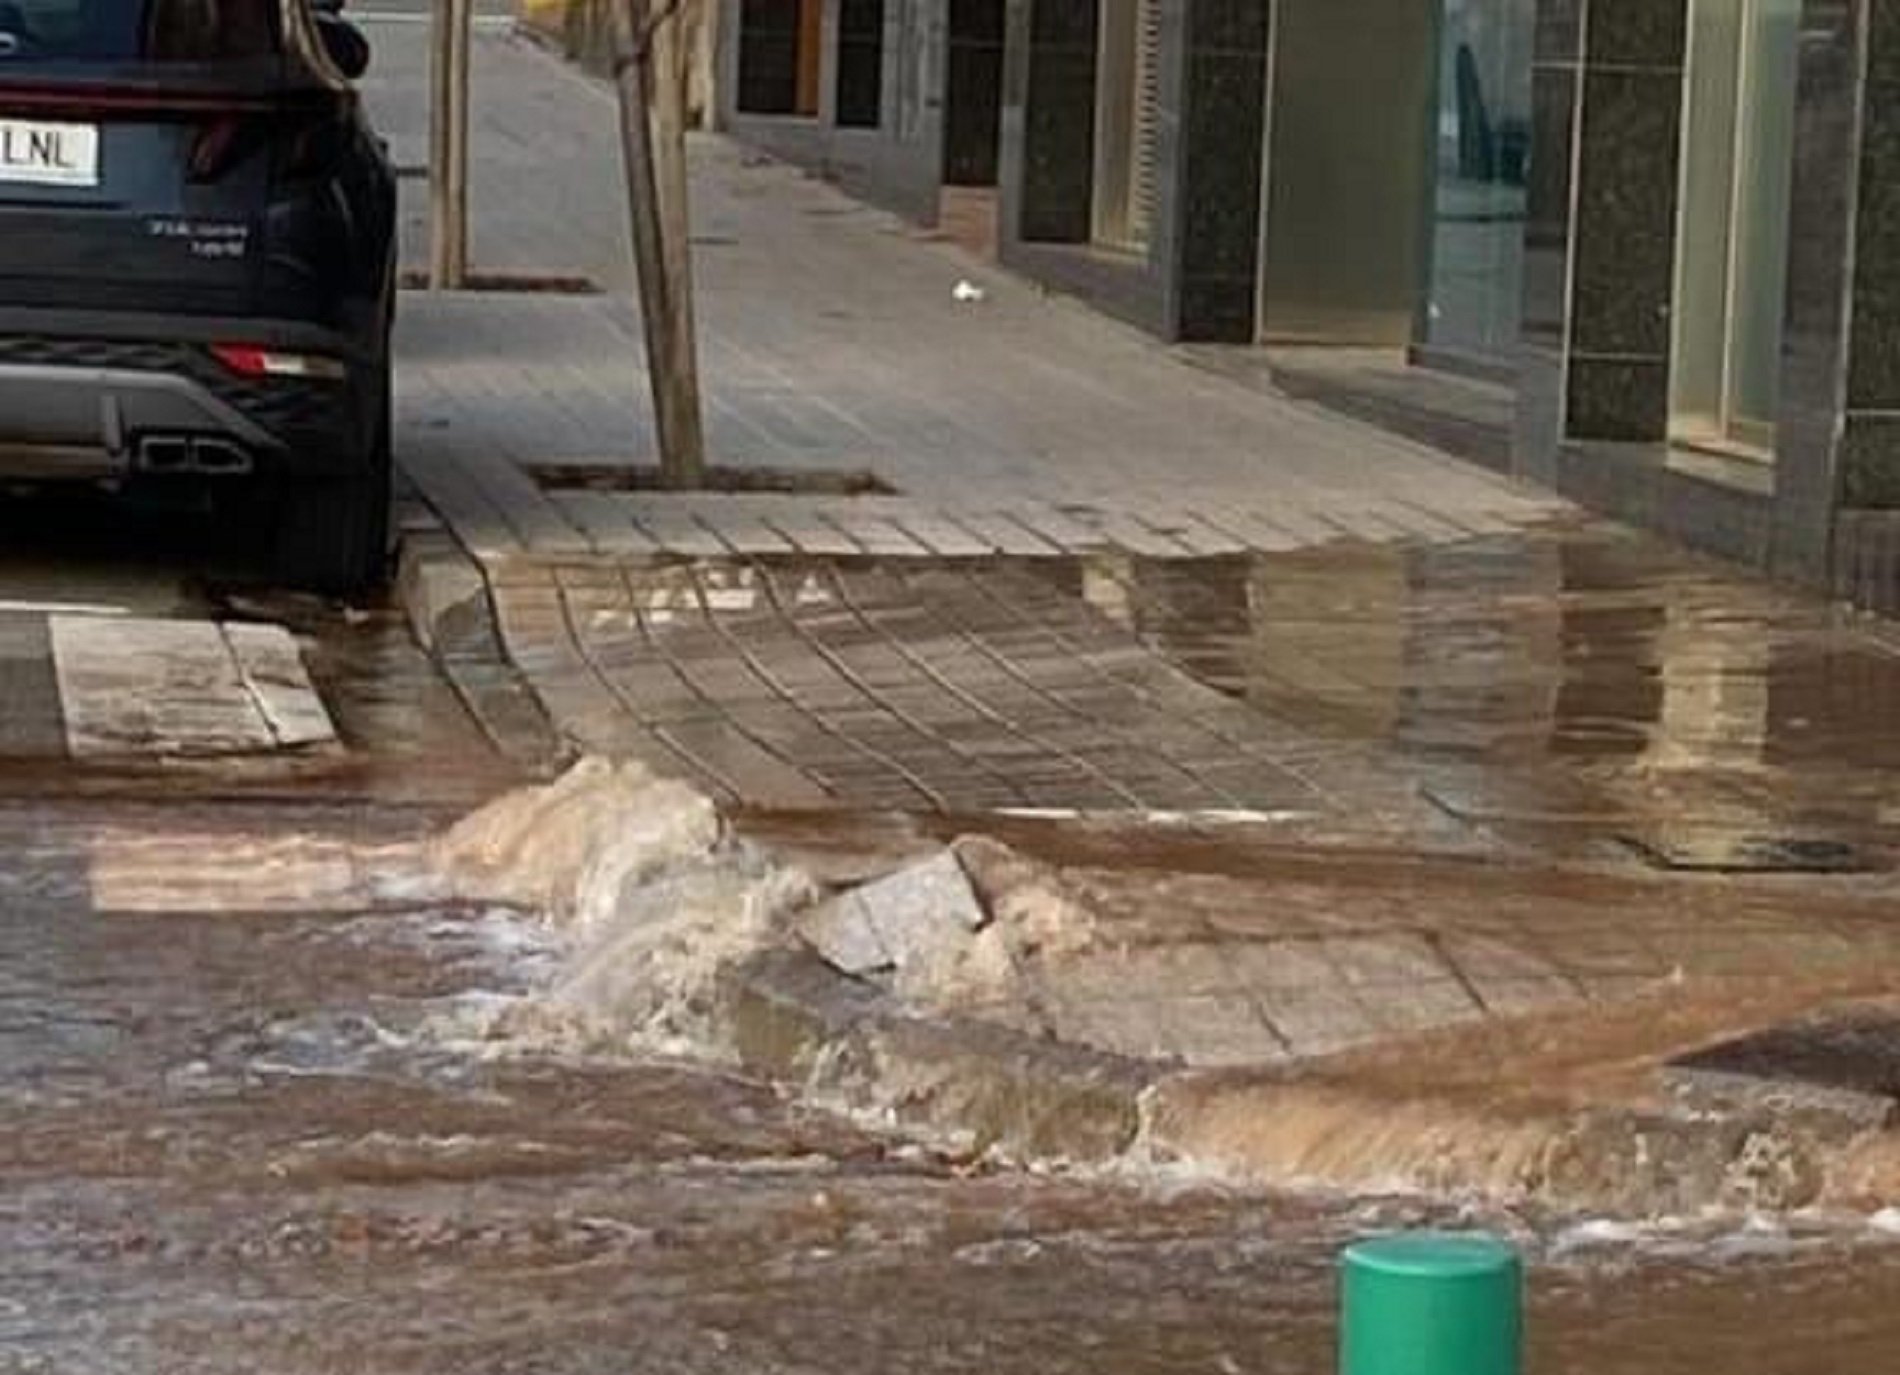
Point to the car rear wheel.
(332, 533)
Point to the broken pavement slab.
(1599, 1132)
(1457, 1049)
(1309, 955)
(130, 686)
(899, 921)
(963, 995)
(969, 931)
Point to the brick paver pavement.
(780, 668)
(1300, 955)
(913, 685)
(832, 341)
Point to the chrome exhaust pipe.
(167, 455)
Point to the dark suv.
(197, 266)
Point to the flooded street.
(970, 836)
(1584, 689)
(234, 1144)
(253, 1116)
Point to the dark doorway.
(860, 63)
(779, 57)
(973, 96)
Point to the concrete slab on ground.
(129, 687)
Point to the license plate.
(49, 154)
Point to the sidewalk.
(1109, 580)
(1020, 427)
(832, 343)
(1542, 767)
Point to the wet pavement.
(254, 1132)
(1572, 692)
(1584, 680)
(114, 575)
(248, 1134)
(245, 1124)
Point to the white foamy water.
(643, 897)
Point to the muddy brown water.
(254, 1143)
(1576, 684)
(246, 1144)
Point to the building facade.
(1641, 251)
(899, 101)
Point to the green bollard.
(1431, 1303)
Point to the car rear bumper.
(133, 327)
(87, 405)
(105, 411)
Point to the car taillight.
(253, 360)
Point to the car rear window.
(121, 31)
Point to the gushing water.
(648, 896)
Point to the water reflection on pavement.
(1572, 682)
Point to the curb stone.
(793, 1019)
(445, 596)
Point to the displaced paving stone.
(911, 922)
(844, 935)
(938, 887)
(445, 597)
(271, 666)
(965, 689)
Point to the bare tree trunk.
(651, 80)
(448, 146)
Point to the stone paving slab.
(130, 686)
(1280, 485)
(636, 525)
(1295, 957)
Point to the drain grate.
(1722, 852)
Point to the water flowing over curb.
(911, 1001)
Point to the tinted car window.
(117, 31)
